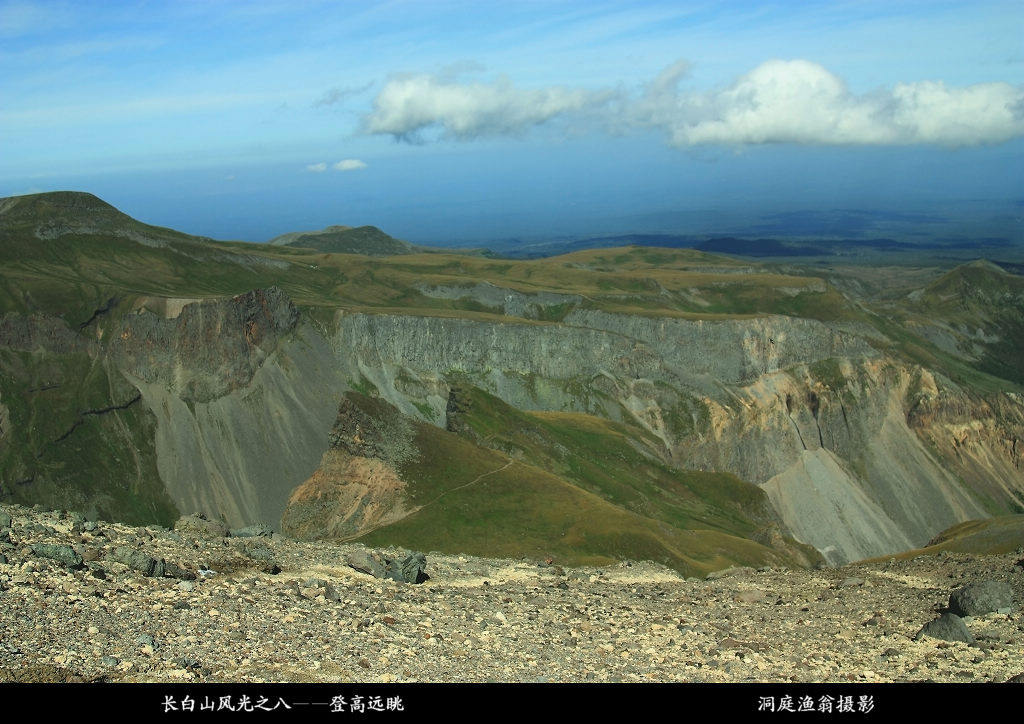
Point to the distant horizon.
(447, 123)
(802, 226)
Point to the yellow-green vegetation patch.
(470, 498)
(829, 373)
(1002, 534)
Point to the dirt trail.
(412, 511)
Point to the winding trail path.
(475, 480)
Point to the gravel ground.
(269, 609)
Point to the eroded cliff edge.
(861, 454)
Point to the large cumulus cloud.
(780, 101)
(798, 101)
(409, 104)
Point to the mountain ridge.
(336, 239)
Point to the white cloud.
(317, 167)
(801, 102)
(349, 164)
(982, 113)
(780, 101)
(411, 103)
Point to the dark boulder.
(947, 627)
(139, 561)
(411, 569)
(977, 599)
(259, 551)
(63, 554)
(173, 570)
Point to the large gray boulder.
(137, 560)
(977, 599)
(411, 569)
(947, 627)
(366, 562)
(63, 554)
(199, 526)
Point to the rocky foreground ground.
(96, 601)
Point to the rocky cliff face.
(357, 486)
(980, 438)
(209, 348)
(832, 448)
(243, 396)
(729, 351)
(591, 362)
(859, 454)
(810, 412)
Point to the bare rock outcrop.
(210, 348)
(357, 486)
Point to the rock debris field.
(97, 601)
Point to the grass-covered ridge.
(65, 251)
(574, 488)
(367, 240)
(1001, 534)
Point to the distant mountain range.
(765, 247)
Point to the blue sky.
(458, 121)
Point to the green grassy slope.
(618, 462)
(981, 295)
(78, 438)
(1002, 534)
(473, 499)
(984, 305)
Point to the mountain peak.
(55, 214)
(338, 239)
(54, 201)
